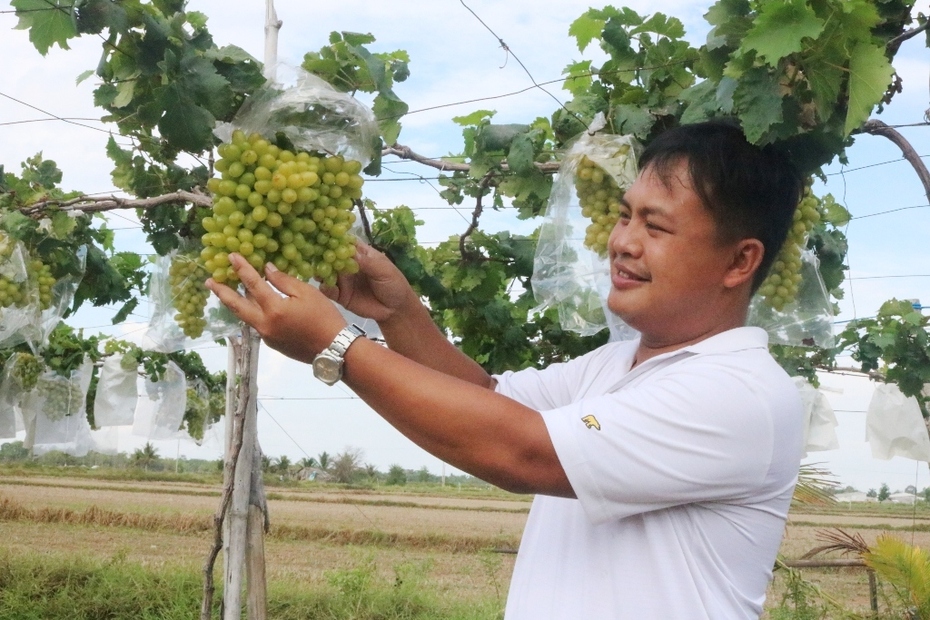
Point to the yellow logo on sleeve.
(591, 422)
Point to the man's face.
(666, 262)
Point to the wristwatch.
(327, 366)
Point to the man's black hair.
(750, 191)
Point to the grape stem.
(878, 128)
(405, 152)
(95, 204)
(476, 214)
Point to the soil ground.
(463, 544)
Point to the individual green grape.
(285, 200)
(600, 198)
(187, 276)
(780, 288)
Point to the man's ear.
(747, 256)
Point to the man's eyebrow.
(647, 211)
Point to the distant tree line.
(346, 467)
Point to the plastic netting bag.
(55, 412)
(895, 425)
(570, 270)
(12, 393)
(311, 114)
(175, 326)
(806, 321)
(117, 394)
(821, 423)
(60, 298)
(160, 411)
(18, 303)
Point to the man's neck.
(651, 346)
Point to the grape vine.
(803, 76)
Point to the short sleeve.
(559, 384)
(700, 433)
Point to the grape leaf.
(521, 155)
(585, 29)
(730, 20)
(579, 78)
(616, 36)
(632, 120)
(122, 172)
(388, 109)
(63, 225)
(869, 76)
(187, 126)
(826, 81)
(758, 102)
(48, 22)
(663, 25)
(780, 28)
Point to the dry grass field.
(459, 541)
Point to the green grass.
(48, 587)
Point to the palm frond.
(839, 541)
(815, 486)
(905, 567)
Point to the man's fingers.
(243, 308)
(253, 282)
(288, 285)
(373, 263)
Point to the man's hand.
(300, 324)
(378, 291)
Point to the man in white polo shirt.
(663, 467)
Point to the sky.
(455, 63)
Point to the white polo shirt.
(684, 470)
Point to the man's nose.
(626, 239)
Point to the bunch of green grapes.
(293, 210)
(187, 276)
(599, 196)
(26, 370)
(41, 274)
(780, 288)
(11, 291)
(60, 397)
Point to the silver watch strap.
(344, 338)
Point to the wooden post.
(272, 26)
(257, 599)
(238, 513)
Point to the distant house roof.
(854, 496)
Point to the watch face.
(327, 369)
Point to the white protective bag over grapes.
(290, 166)
(184, 313)
(18, 307)
(792, 304)
(160, 411)
(20, 374)
(55, 412)
(54, 295)
(117, 394)
(807, 320)
(894, 425)
(570, 270)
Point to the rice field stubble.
(315, 531)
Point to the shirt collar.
(736, 339)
